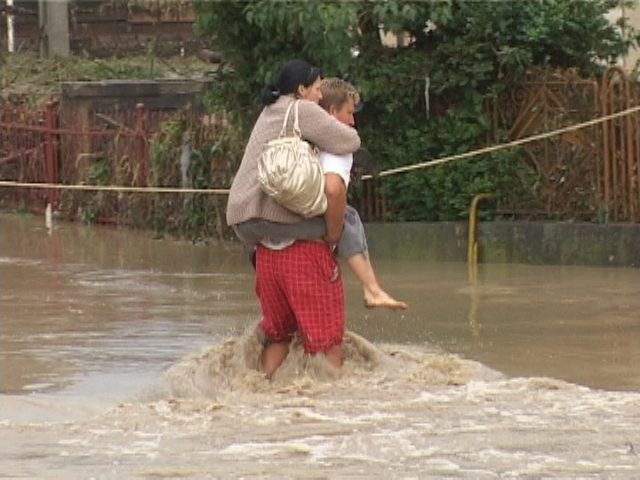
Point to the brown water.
(126, 357)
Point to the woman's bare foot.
(382, 299)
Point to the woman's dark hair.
(292, 74)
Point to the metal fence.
(29, 146)
(50, 145)
(592, 174)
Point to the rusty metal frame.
(619, 182)
(565, 164)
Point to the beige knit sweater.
(246, 198)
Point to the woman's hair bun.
(290, 77)
(269, 94)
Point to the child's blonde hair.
(336, 92)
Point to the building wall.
(104, 28)
(524, 242)
(632, 60)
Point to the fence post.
(51, 161)
(141, 143)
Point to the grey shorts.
(352, 241)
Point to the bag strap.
(296, 125)
(283, 132)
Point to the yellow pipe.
(472, 252)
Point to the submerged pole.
(472, 248)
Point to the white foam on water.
(266, 449)
(22, 262)
(393, 412)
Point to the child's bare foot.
(383, 300)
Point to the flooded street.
(122, 356)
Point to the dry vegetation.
(28, 78)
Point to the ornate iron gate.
(589, 174)
(567, 164)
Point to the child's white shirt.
(338, 164)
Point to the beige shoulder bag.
(290, 172)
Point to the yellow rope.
(113, 188)
(385, 173)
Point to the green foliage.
(194, 216)
(89, 213)
(258, 36)
(100, 172)
(468, 51)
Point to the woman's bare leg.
(335, 356)
(272, 357)
(374, 295)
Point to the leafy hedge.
(467, 51)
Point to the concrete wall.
(510, 242)
(631, 61)
(126, 94)
(104, 28)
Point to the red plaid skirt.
(300, 289)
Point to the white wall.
(633, 18)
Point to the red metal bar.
(630, 160)
(636, 136)
(141, 144)
(62, 131)
(18, 156)
(51, 161)
(607, 141)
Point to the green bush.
(468, 51)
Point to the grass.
(28, 78)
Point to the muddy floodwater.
(128, 357)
